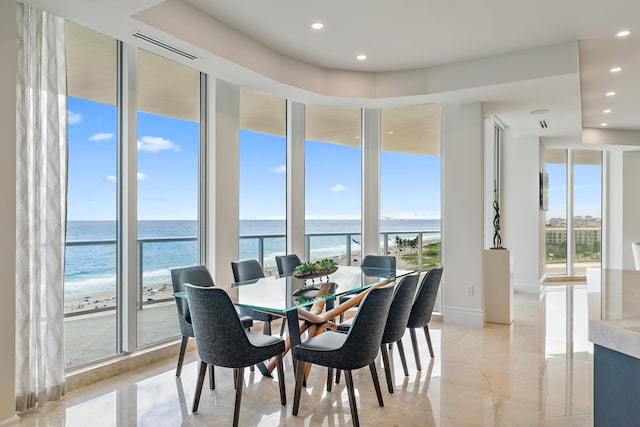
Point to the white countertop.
(614, 309)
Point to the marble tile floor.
(535, 372)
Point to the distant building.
(587, 235)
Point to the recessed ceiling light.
(540, 111)
(358, 137)
(607, 111)
(624, 33)
(604, 125)
(610, 93)
(616, 69)
(390, 132)
(361, 57)
(317, 25)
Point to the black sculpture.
(497, 240)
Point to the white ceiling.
(416, 33)
(428, 35)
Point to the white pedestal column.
(498, 290)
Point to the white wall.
(612, 210)
(462, 213)
(520, 208)
(8, 212)
(621, 204)
(631, 211)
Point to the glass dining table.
(303, 301)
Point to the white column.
(521, 208)
(462, 214)
(8, 41)
(223, 180)
(128, 197)
(295, 178)
(370, 244)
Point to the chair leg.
(298, 389)
(416, 353)
(183, 350)
(212, 378)
(267, 328)
(376, 382)
(196, 398)
(239, 383)
(283, 326)
(235, 377)
(387, 367)
(428, 336)
(402, 358)
(352, 398)
(329, 378)
(337, 376)
(280, 367)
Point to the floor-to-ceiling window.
(90, 296)
(333, 183)
(556, 213)
(573, 219)
(587, 196)
(168, 97)
(263, 158)
(410, 185)
(167, 186)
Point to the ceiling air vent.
(543, 124)
(164, 45)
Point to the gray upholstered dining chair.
(396, 325)
(246, 270)
(196, 275)
(350, 351)
(287, 263)
(372, 261)
(423, 308)
(222, 341)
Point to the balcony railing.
(348, 239)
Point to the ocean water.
(92, 268)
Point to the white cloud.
(279, 169)
(73, 118)
(337, 188)
(153, 144)
(141, 177)
(101, 137)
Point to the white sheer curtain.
(41, 115)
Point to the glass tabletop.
(282, 294)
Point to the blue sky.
(168, 172)
(586, 193)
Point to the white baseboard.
(11, 421)
(527, 286)
(464, 316)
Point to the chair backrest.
(196, 275)
(220, 338)
(379, 261)
(425, 299)
(248, 269)
(287, 263)
(400, 308)
(365, 335)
